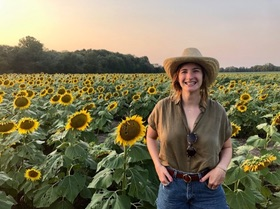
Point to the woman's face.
(190, 77)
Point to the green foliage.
(255, 189)
(124, 179)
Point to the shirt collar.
(201, 107)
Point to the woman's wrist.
(223, 169)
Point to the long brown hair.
(177, 89)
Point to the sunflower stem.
(124, 170)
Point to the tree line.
(30, 56)
(256, 68)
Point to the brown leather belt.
(187, 177)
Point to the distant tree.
(27, 55)
(5, 59)
(70, 62)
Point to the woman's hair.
(177, 89)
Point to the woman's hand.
(163, 175)
(215, 177)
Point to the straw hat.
(210, 65)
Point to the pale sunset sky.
(240, 33)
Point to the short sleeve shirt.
(212, 127)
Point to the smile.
(190, 83)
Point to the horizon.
(238, 34)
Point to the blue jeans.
(194, 195)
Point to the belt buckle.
(187, 178)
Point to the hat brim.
(209, 64)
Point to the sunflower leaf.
(241, 199)
(121, 202)
(234, 174)
(256, 141)
(113, 160)
(62, 204)
(138, 187)
(273, 177)
(4, 177)
(70, 186)
(52, 165)
(76, 151)
(138, 152)
(102, 180)
(6, 202)
(45, 196)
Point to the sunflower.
(22, 86)
(90, 90)
(30, 93)
(242, 108)
(85, 89)
(1, 99)
(152, 90)
(258, 163)
(136, 97)
(118, 87)
(66, 99)
(43, 93)
(89, 106)
(130, 130)
(6, 83)
(7, 127)
(61, 90)
(116, 94)
(235, 129)
(125, 92)
(100, 96)
(112, 106)
(79, 121)
(21, 102)
(55, 99)
(108, 95)
(226, 91)
(2, 93)
(27, 125)
(276, 120)
(100, 89)
(231, 85)
(22, 93)
(263, 97)
(50, 90)
(245, 97)
(32, 174)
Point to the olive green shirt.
(212, 127)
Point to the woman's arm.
(217, 175)
(152, 145)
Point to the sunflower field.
(76, 141)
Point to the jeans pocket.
(206, 185)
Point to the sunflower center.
(21, 102)
(129, 130)
(61, 91)
(78, 121)
(6, 127)
(27, 124)
(66, 98)
(33, 174)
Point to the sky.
(240, 33)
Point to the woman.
(194, 133)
